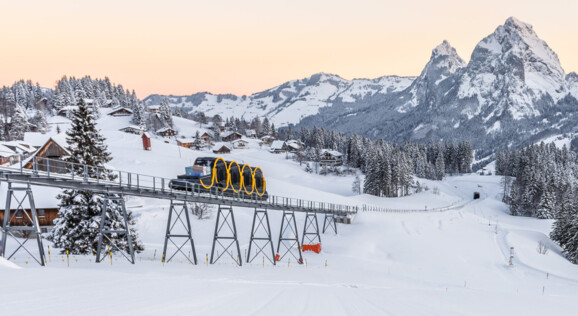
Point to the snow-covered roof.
(6, 152)
(147, 134)
(250, 132)
(153, 107)
(164, 129)
(186, 140)
(294, 141)
(219, 145)
(131, 127)
(239, 140)
(119, 108)
(59, 140)
(277, 144)
(227, 134)
(19, 147)
(294, 145)
(331, 152)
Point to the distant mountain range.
(513, 91)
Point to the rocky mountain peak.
(444, 49)
(514, 25)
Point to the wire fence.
(377, 209)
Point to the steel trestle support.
(289, 236)
(114, 203)
(261, 232)
(31, 226)
(225, 219)
(310, 230)
(329, 221)
(178, 209)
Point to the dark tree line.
(388, 167)
(540, 181)
(24, 106)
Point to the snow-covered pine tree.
(19, 124)
(40, 120)
(266, 127)
(439, 166)
(165, 112)
(356, 185)
(139, 115)
(565, 229)
(77, 226)
(197, 144)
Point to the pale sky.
(229, 46)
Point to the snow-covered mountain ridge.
(512, 92)
(289, 102)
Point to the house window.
(19, 214)
(41, 213)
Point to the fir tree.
(356, 185)
(198, 142)
(77, 226)
(19, 124)
(165, 113)
(266, 127)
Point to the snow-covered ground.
(420, 263)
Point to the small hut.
(120, 111)
(222, 149)
(166, 132)
(146, 141)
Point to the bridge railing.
(64, 170)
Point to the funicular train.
(216, 175)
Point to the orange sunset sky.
(242, 47)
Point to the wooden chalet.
(166, 132)
(278, 147)
(220, 126)
(251, 133)
(330, 158)
(267, 139)
(132, 129)
(46, 205)
(295, 146)
(186, 142)
(51, 150)
(121, 111)
(231, 136)
(153, 108)
(222, 149)
(240, 144)
(206, 137)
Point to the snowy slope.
(445, 263)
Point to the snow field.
(421, 263)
